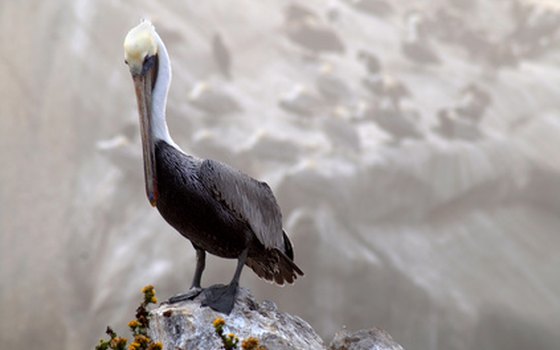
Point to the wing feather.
(252, 200)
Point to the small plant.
(252, 343)
(230, 341)
(114, 343)
(139, 328)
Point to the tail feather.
(288, 248)
(275, 266)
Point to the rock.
(187, 325)
(365, 339)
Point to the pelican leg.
(195, 289)
(200, 265)
(222, 298)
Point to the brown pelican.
(383, 85)
(219, 209)
(376, 8)
(474, 103)
(370, 61)
(416, 45)
(306, 29)
(400, 125)
(453, 127)
(121, 151)
(212, 100)
(222, 56)
(301, 100)
(330, 86)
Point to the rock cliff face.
(187, 325)
(382, 211)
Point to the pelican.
(453, 127)
(473, 103)
(219, 209)
(376, 8)
(330, 86)
(222, 56)
(212, 100)
(370, 61)
(416, 45)
(384, 85)
(306, 29)
(301, 101)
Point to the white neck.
(159, 96)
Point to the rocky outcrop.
(365, 339)
(187, 325)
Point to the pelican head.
(141, 47)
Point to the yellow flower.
(134, 324)
(156, 346)
(154, 300)
(148, 289)
(133, 346)
(250, 343)
(218, 322)
(118, 342)
(141, 339)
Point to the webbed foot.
(190, 295)
(220, 298)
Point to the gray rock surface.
(187, 325)
(364, 339)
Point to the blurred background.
(412, 145)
